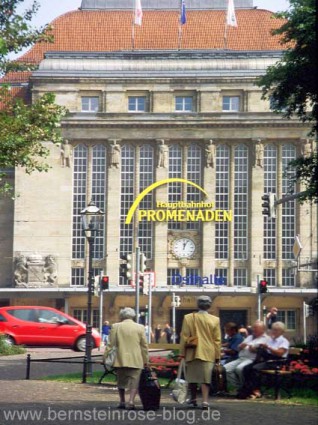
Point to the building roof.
(109, 30)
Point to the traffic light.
(269, 207)
(141, 284)
(96, 286)
(263, 286)
(177, 300)
(265, 205)
(104, 283)
(126, 268)
(308, 310)
(142, 262)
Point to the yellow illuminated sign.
(177, 211)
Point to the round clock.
(183, 247)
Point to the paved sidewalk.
(46, 402)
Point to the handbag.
(218, 379)
(109, 356)
(192, 341)
(180, 386)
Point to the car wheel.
(9, 340)
(80, 344)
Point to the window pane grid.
(79, 199)
(137, 103)
(77, 278)
(98, 195)
(194, 167)
(288, 317)
(270, 276)
(90, 104)
(222, 200)
(172, 272)
(184, 103)
(240, 277)
(127, 198)
(175, 189)
(240, 202)
(288, 208)
(222, 273)
(146, 170)
(288, 277)
(270, 177)
(231, 103)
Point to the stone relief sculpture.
(20, 271)
(259, 154)
(35, 271)
(115, 155)
(50, 270)
(163, 155)
(306, 148)
(210, 154)
(66, 154)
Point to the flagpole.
(133, 27)
(225, 28)
(180, 26)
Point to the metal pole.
(304, 322)
(90, 286)
(101, 302)
(28, 368)
(137, 308)
(290, 197)
(259, 298)
(150, 311)
(174, 317)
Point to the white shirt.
(279, 342)
(245, 353)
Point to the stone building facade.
(150, 113)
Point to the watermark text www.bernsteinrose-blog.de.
(50, 414)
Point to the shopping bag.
(180, 386)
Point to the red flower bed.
(301, 367)
(163, 371)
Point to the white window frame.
(90, 106)
(231, 104)
(183, 100)
(136, 104)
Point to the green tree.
(23, 128)
(291, 83)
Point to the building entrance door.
(237, 316)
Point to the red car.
(43, 326)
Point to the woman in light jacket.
(132, 355)
(200, 360)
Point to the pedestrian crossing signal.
(104, 283)
(263, 286)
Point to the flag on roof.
(230, 17)
(138, 12)
(183, 18)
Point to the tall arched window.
(270, 183)
(146, 178)
(194, 174)
(127, 197)
(222, 201)
(99, 194)
(240, 202)
(175, 171)
(80, 159)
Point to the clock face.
(183, 248)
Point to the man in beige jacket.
(200, 360)
(132, 354)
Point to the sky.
(51, 9)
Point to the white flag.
(231, 18)
(138, 12)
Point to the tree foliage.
(291, 83)
(23, 128)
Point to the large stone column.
(256, 226)
(113, 214)
(161, 228)
(208, 228)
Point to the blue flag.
(183, 18)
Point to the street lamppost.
(91, 218)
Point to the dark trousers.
(252, 375)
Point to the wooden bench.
(279, 373)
